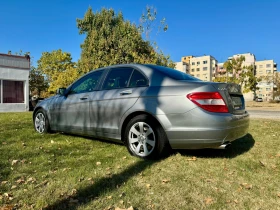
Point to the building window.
(198, 75)
(267, 89)
(13, 91)
(260, 72)
(193, 63)
(197, 69)
(268, 71)
(204, 62)
(197, 62)
(268, 65)
(260, 66)
(192, 70)
(204, 68)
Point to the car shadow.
(238, 147)
(107, 183)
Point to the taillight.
(209, 101)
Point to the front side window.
(268, 65)
(197, 69)
(13, 91)
(204, 62)
(138, 80)
(268, 71)
(117, 78)
(193, 63)
(87, 83)
(204, 68)
(197, 62)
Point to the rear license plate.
(237, 103)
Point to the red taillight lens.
(209, 101)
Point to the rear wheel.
(145, 138)
(41, 122)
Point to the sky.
(219, 28)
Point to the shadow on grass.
(238, 147)
(103, 185)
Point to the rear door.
(121, 89)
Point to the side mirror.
(61, 91)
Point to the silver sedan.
(147, 107)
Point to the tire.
(145, 138)
(41, 122)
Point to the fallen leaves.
(8, 196)
(262, 163)
(192, 159)
(164, 181)
(20, 181)
(15, 162)
(42, 184)
(208, 201)
(7, 207)
(129, 208)
(247, 186)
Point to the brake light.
(209, 101)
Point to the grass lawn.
(58, 171)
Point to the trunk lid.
(233, 97)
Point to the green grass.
(58, 171)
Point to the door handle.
(84, 98)
(126, 92)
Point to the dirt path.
(265, 106)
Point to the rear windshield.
(174, 74)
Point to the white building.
(14, 83)
(203, 67)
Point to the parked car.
(259, 100)
(148, 108)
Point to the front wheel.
(41, 122)
(145, 138)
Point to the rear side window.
(117, 78)
(138, 80)
(172, 73)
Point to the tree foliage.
(274, 80)
(58, 68)
(112, 40)
(237, 72)
(37, 82)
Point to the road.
(264, 114)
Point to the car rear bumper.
(204, 130)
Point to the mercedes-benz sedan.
(147, 107)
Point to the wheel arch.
(132, 115)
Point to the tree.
(58, 68)
(112, 40)
(251, 81)
(37, 82)
(274, 80)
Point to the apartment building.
(265, 70)
(14, 83)
(203, 67)
(184, 64)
